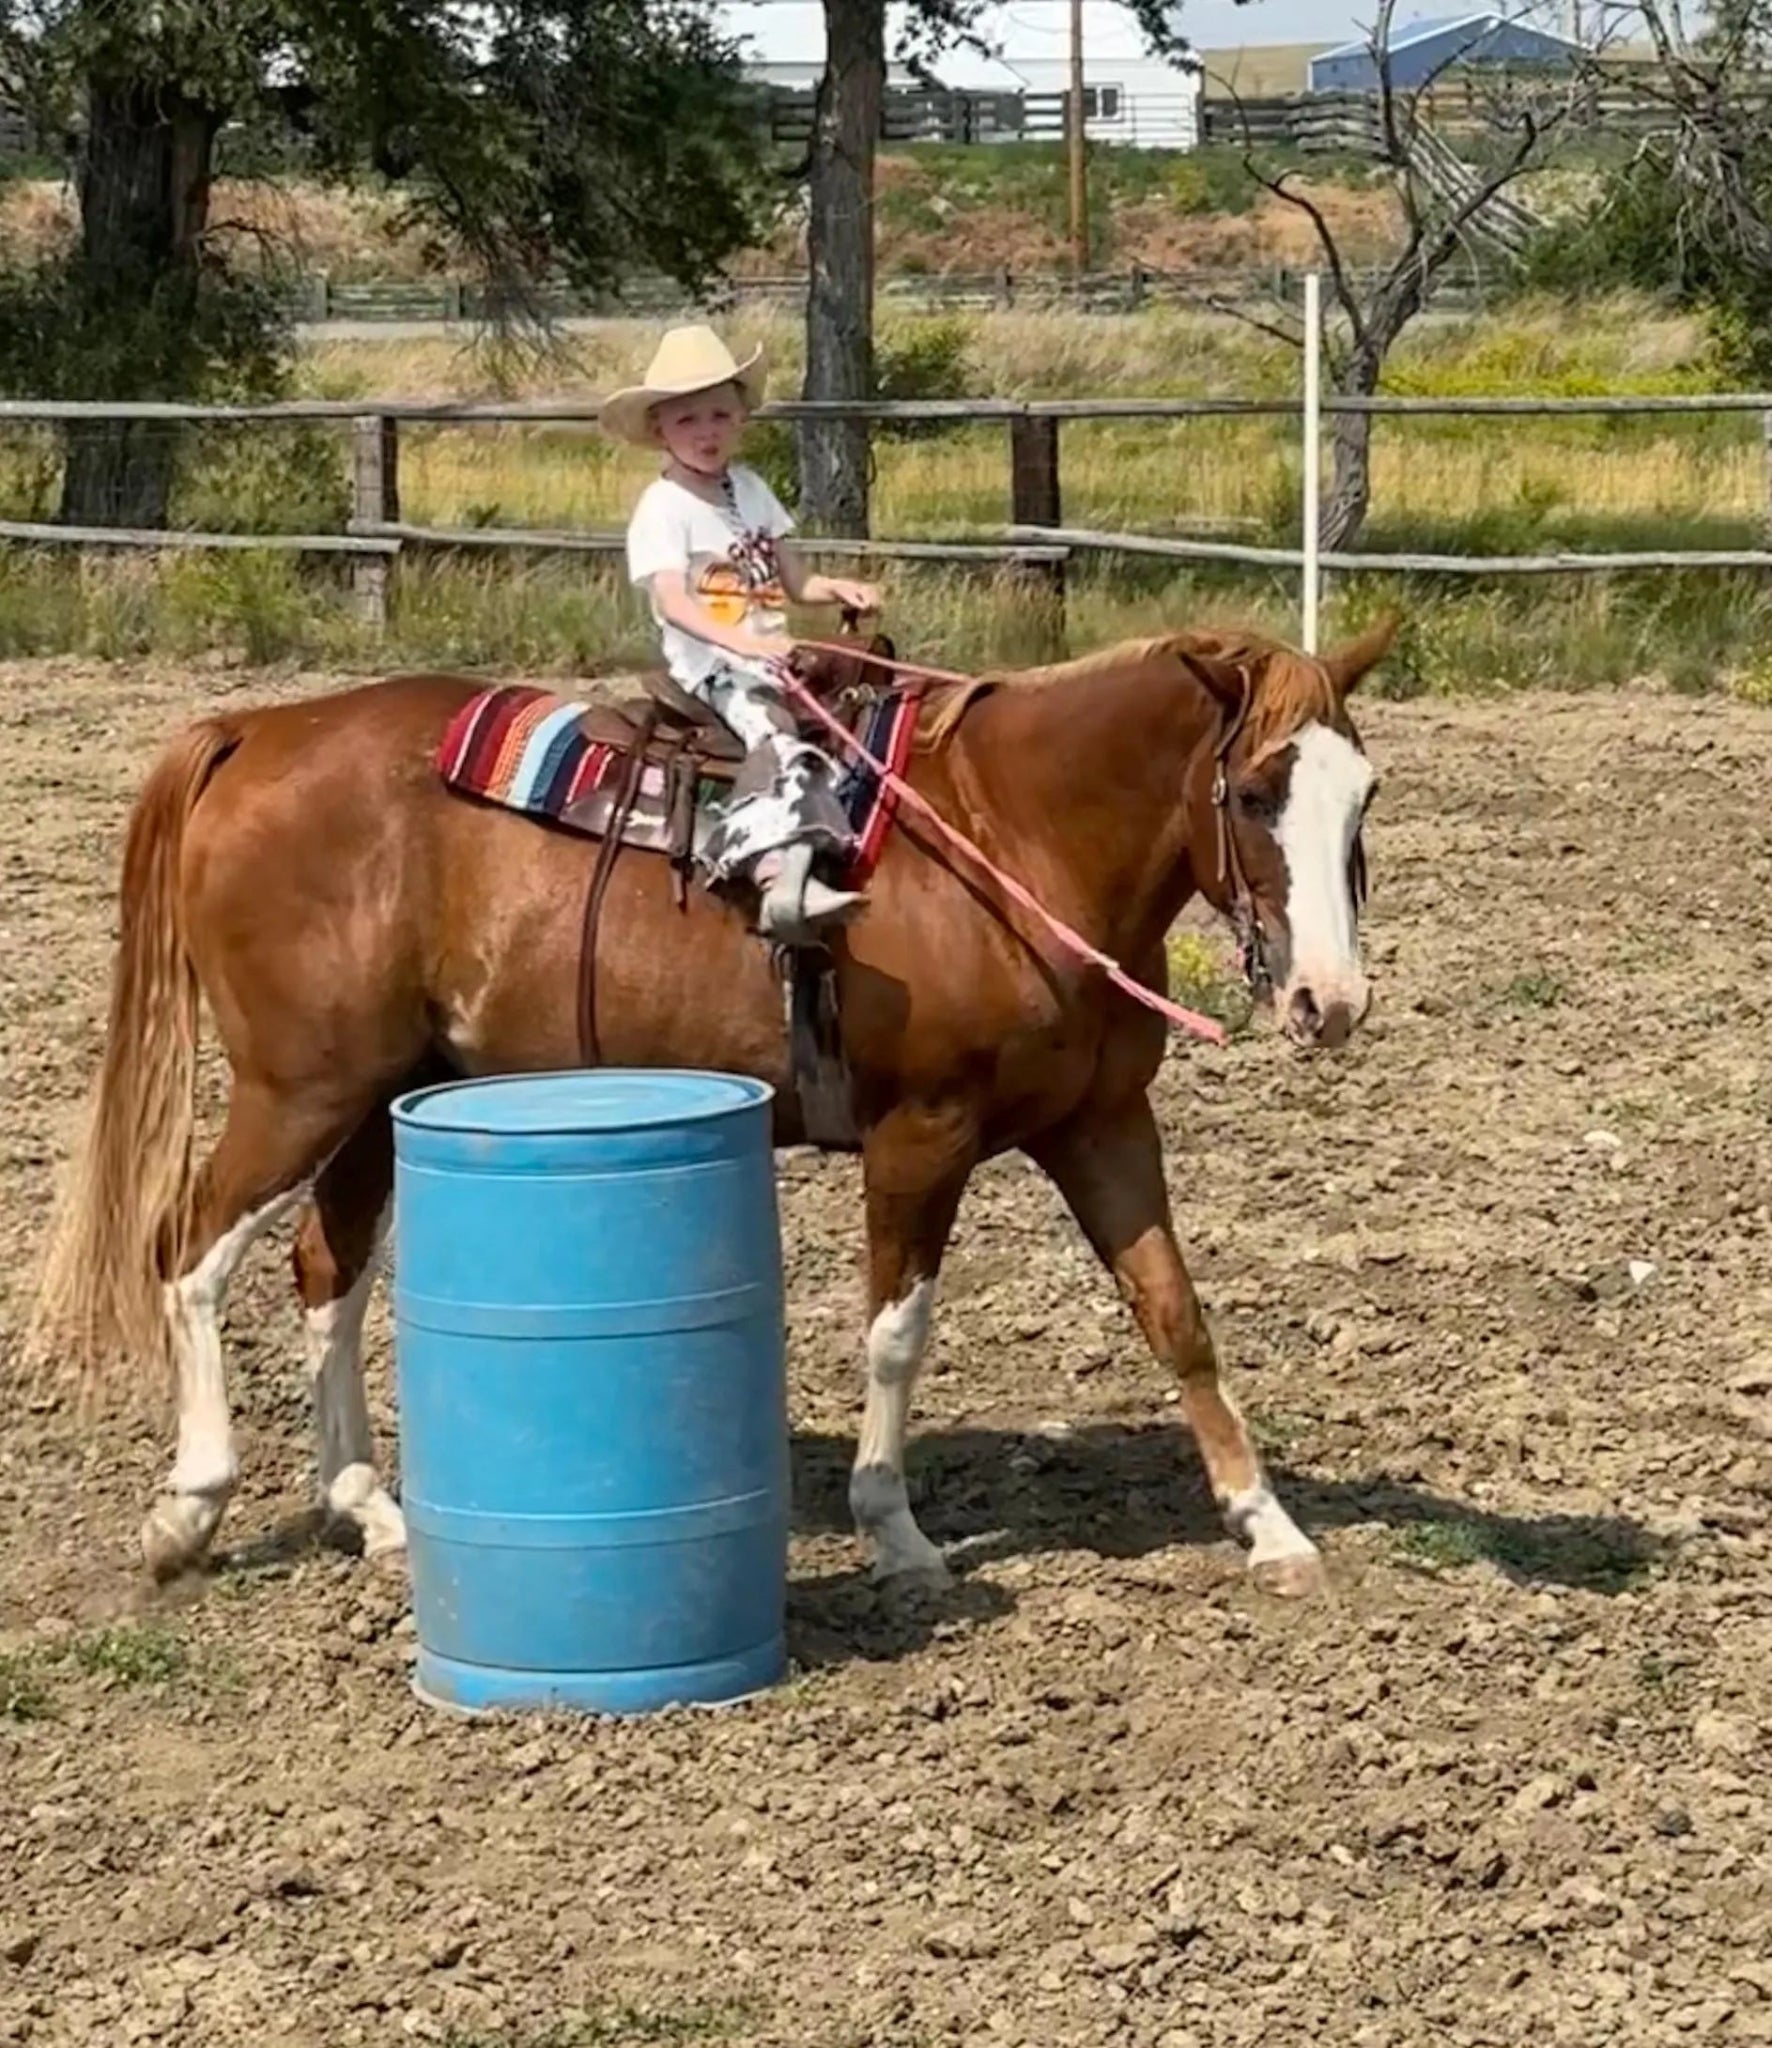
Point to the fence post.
(1766, 441)
(375, 501)
(1034, 497)
(1313, 438)
(1035, 500)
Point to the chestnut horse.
(355, 928)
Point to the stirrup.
(797, 906)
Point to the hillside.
(1257, 70)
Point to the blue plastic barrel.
(590, 1369)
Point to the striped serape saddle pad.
(530, 751)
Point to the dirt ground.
(1495, 1284)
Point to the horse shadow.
(1125, 1491)
(1107, 1489)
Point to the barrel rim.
(751, 1094)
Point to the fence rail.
(1035, 544)
(318, 300)
(953, 412)
(1463, 103)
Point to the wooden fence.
(1332, 123)
(320, 301)
(1464, 103)
(1034, 544)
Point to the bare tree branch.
(1346, 296)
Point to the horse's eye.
(1257, 806)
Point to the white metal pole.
(1313, 422)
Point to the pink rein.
(1073, 941)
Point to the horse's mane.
(1288, 689)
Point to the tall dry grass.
(1568, 480)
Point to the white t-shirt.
(727, 555)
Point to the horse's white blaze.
(877, 1498)
(1325, 796)
(345, 1441)
(205, 1467)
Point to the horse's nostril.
(1303, 1015)
(1336, 1027)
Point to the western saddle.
(678, 733)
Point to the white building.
(1129, 96)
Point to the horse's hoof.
(175, 1535)
(356, 1496)
(914, 1575)
(1300, 1577)
(385, 1538)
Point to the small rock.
(1701, 2019)
(1603, 1141)
(962, 1943)
(1753, 1379)
(1115, 1955)
(445, 1951)
(1614, 1282)
(1723, 1735)
(1179, 1905)
(1538, 1793)
(19, 1944)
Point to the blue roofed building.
(1421, 51)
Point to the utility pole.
(1079, 182)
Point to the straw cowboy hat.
(689, 359)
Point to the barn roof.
(1424, 31)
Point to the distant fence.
(1334, 123)
(1035, 544)
(913, 114)
(320, 301)
(1463, 103)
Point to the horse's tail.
(124, 1214)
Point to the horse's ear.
(883, 645)
(1228, 681)
(1348, 664)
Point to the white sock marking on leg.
(896, 1343)
(1255, 1517)
(205, 1468)
(345, 1441)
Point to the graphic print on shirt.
(749, 576)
